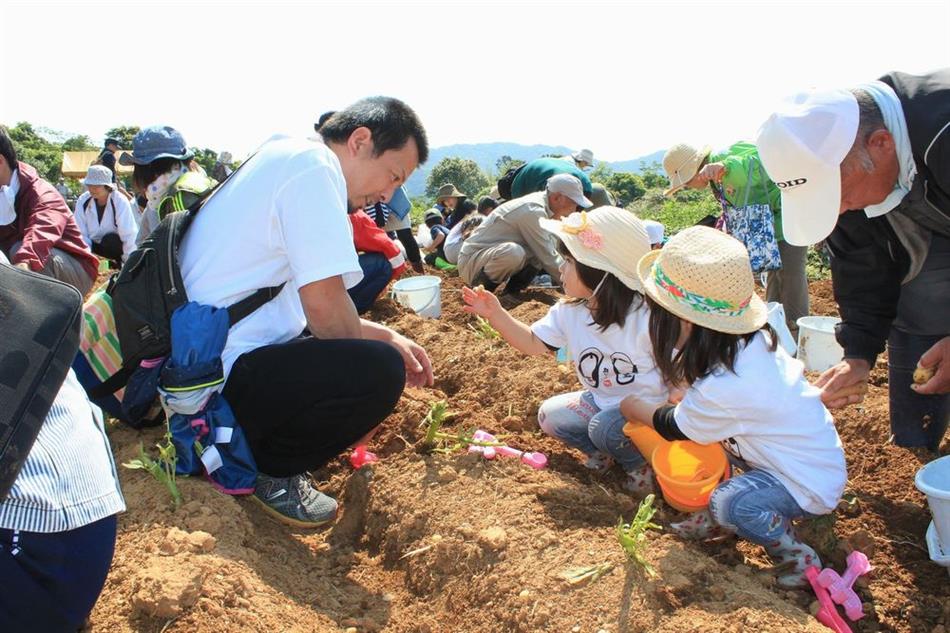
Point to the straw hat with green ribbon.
(704, 276)
(681, 164)
(606, 238)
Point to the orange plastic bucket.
(688, 472)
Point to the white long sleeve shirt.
(117, 218)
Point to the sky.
(623, 79)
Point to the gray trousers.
(499, 262)
(789, 284)
(64, 267)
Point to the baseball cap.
(433, 215)
(569, 186)
(801, 146)
(157, 141)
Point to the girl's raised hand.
(479, 301)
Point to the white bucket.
(422, 295)
(817, 347)
(776, 319)
(934, 481)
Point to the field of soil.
(451, 542)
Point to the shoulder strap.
(249, 304)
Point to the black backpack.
(39, 318)
(504, 183)
(149, 288)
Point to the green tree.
(81, 143)
(506, 162)
(463, 173)
(653, 175)
(601, 173)
(33, 149)
(124, 134)
(626, 186)
(206, 158)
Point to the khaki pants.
(499, 262)
(789, 285)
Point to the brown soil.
(431, 543)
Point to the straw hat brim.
(751, 320)
(589, 256)
(694, 162)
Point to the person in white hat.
(105, 217)
(736, 174)
(582, 158)
(882, 152)
(510, 245)
(710, 335)
(656, 232)
(603, 324)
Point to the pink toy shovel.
(827, 613)
(534, 460)
(839, 587)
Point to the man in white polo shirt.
(282, 219)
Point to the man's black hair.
(322, 120)
(6, 148)
(391, 122)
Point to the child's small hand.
(481, 302)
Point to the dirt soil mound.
(452, 542)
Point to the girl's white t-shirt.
(768, 415)
(281, 218)
(612, 364)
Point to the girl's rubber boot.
(700, 526)
(792, 557)
(640, 481)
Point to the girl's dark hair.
(144, 175)
(470, 223)
(703, 352)
(614, 300)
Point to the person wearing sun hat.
(583, 159)
(882, 147)
(104, 217)
(736, 174)
(510, 244)
(711, 339)
(603, 323)
(159, 158)
(446, 200)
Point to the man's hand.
(418, 365)
(935, 361)
(845, 383)
(711, 172)
(23, 266)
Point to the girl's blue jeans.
(576, 420)
(755, 505)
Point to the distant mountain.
(486, 155)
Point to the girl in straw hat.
(709, 333)
(604, 325)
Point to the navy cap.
(157, 141)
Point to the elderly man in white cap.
(510, 244)
(869, 169)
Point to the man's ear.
(881, 142)
(360, 140)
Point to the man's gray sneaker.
(294, 501)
